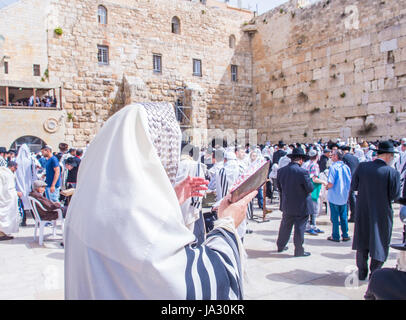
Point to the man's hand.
(190, 187)
(236, 210)
(20, 194)
(52, 189)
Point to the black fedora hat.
(345, 148)
(3, 150)
(386, 147)
(281, 144)
(298, 152)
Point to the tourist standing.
(339, 183)
(313, 168)
(53, 174)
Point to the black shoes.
(362, 275)
(249, 231)
(346, 239)
(284, 249)
(304, 254)
(4, 238)
(332, 239)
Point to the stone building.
(105, 54)
(306, 70)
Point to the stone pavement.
(328, 274)
(29, 271)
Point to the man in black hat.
(325, 157)
(390, 283)
(280, 153)
(3, 162)
(352, 162)
(295, 187)
(378, 184)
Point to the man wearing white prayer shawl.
(225, 178)
(25, 176)
(125, 236)
(192, 207)
(9, 215)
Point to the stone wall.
(135, 31)
(23, 38)
(19, 122)
(336, 68)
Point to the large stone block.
(389, 45)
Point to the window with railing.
(103, 54)
(157, 63)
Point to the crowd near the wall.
(39, 175)
(353, 183)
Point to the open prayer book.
(252, 179)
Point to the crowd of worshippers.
(357, 183)
(45, 101)
(39, 175)
(365, 178)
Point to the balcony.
(41, 120)
(27, 95)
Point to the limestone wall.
(135, 31)
(23, 38)
(334, 68)
(48, 125)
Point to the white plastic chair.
(41, 224)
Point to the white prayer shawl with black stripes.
(190, 208)
(225, 179)
(125, 236)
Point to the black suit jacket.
(323, 162)
(277, 155)
(295, 186)
(351, 161)
(378, 185)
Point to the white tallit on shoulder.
(125, 237)
(25, 174)
(9, 215)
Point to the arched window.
(102, 14)
(175, 25)
(34, 143)
(231, 41)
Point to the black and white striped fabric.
(213, 271)
(3, 162)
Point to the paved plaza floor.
(30, 271)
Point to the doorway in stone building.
(34, 143)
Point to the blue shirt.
(340, 176)
(50, 173)
(42, 161)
